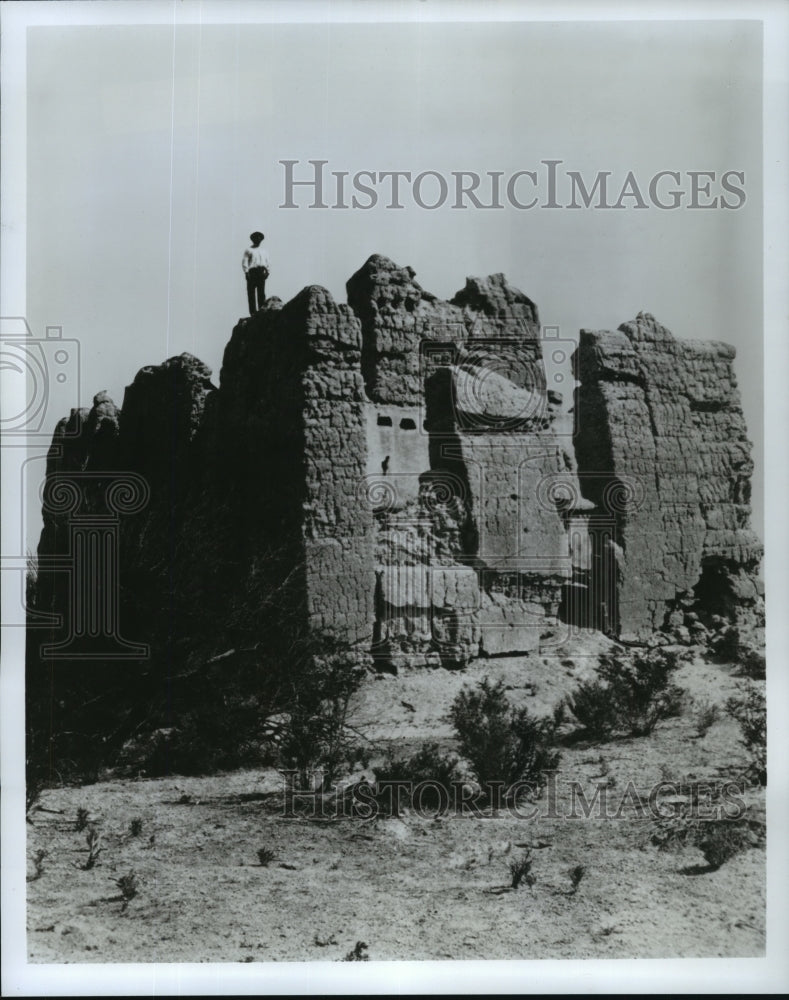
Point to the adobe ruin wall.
(399, 473)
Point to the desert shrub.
(128, 886)
(752, 663)
(318, 735)
(733, 644)
(358, 953)
(749, 708)
(705, 715)
(81, 820)
(633, 693)
(592, 705)
(38, 864)
(520, 870)
(429, 763)
(224, 735)
(641, 687)
(93, 840)
(502, 744)
(265, 856)
(135, 827)
(718, 839)
(576, 874)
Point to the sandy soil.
(413, 887)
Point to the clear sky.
(153, 152)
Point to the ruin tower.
(662, 442)
(400, 474)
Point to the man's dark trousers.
(256, 288)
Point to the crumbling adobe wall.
(473, 368)
(271, 499)
(499, 441)
(398, 316)
(292, 396)
(662, 442)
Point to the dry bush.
(749, 708)
(705, 715)
(633, 692)
(520, 870)
(503, 744)
(718, 839)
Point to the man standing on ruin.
(256, 268)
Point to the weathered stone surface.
(402, 324)
(84, 445)
(394, 473)
(292, 390)
(662, 448)
(508, 627)
(161, 413)
(497, 299)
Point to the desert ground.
(412, 886)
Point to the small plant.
(753, 664)
(731, 646)
(128, 887)
(82, 819)
(93, 839)
(749, 708)
(135, 827)
(667, 773)
(319, 734)
(705, 715)
(720, 841)
(503, 744)
(592, 705)
(520, 870)
(576, 873)
(717, 839)
(265, 856)
(357, 954)
(429, 763)
(38, 864)
(632, 693)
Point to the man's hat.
(256, 236)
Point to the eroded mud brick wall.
(499, 439)
(400, 320)
(490, 443)
(297, 368)
(662, 446)
(385, 471)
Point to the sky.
(154, 150)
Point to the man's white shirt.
(255, 257)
